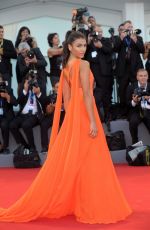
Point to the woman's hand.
(93, 130)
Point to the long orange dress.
(78, 176)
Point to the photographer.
(129, 45)
(7, 51)
(92, 21)
(20, 44)
(48, 103)
(138, 101)
(99, 56)
(32, 59)
(30, 112)
(55, 57)
(7, 101)
(80, 20)
(146, 56)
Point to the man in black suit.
(138, 101)
(7, 101)
(98, 53)
(7, 51)
(30, 113)
(48, 104)
(129, 45)
(32, 59)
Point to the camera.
(29, 40)
(30, 54)
(77, 20)
(78, 13)
(111, 31)
(2, 86)
(33, 81)
(140, 92)
(53, 97)
(95, 36)
(136, 31)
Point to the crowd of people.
(118, 57)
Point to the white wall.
(57, 16)
(147, 26)
(47, 18)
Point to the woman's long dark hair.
(50, 38)
(18, 39)
(71, 36)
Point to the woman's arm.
(147, 48)
(88, 98)
(53, 51)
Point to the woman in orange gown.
(78, 177)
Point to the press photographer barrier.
(118, 157)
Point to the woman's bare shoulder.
(84, 64)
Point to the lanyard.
(128, 41)
(31, 97)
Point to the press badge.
(93, 54)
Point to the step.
(6, 160)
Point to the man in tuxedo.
(129, 45)
(138, 101)
(7, 101)
(98, 54)
(7, 51)
(31, 59)
(30, 113)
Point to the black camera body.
(33, 81)
(2, 87)
(30, 54)
(53, 97)
(29, 40)
(129, 32)
(111, 31)
(140, 92)
(95, 36)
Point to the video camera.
(140, 92)
(78, 13)
(2, 87)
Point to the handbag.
(25, 158)
(116, 140)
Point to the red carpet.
(135, 182)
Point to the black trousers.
(45, 124)
(4, 125)
(123, 82)
(26, 122)
(103, 93)
(134, 120)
